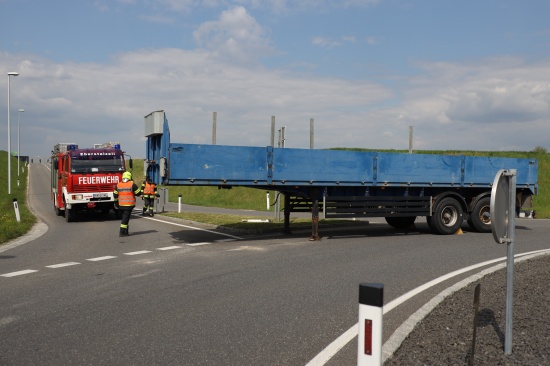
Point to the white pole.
(9, 132)
(179, 203)
(267, 199)
(18, 144)
(369, 340)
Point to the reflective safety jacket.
(125, 193)
(149, 189)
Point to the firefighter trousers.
(125, 221)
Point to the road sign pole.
(510, 261)
(503, 225)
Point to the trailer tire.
(480, 218)
(448, 216)
(401, 222)
(430, 223)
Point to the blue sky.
(467, 75)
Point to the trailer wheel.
(448, 216)
(401, 222)
(480, 218)
(430, 223)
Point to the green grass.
(10, 228)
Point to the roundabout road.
(171, 294)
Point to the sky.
(461, 75)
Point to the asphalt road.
(171, 294)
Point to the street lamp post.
(18, 144)
(13, 73)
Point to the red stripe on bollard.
(368, 337)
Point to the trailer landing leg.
(286, 229)
(315, 221)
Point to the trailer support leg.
(286, 229)
(315, 218)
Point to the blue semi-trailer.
(446, 189)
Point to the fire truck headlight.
(77, 197)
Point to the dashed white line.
(138, 252)
(197, 244)
(101, 258)
(19, 273)
(66, 264)
(170, 248)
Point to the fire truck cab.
(84, 179)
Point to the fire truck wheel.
(57, 211)
(70, 215)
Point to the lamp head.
(13, 73)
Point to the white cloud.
(234, 36)
(488, 106)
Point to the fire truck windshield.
(91, 162)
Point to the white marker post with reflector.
(369, 341)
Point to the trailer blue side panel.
(192, 164)
(322, 167)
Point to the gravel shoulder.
(444, 336)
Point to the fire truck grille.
(94, 188)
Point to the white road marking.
(19, 273)
(196, 228)
(325, 355)
(63, 265)
(101, 258)
(138, 252)
(197, 244)
(170, 248)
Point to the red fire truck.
(84, 179)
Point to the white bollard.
(369, 341)
(179, 203)
(16, 207)
(267, 198)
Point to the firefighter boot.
(144, 211)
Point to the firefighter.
(125, 200)
(149, 190)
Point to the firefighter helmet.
(127, 176)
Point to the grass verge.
(10, 228)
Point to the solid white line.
(63, 265)
(325, 355)
(101, 258)
(195, 228)
(138, 252)
(197, 244)
(19, 273)
(170, 248)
